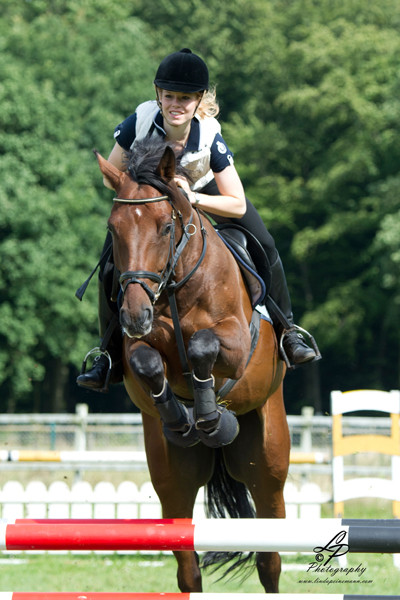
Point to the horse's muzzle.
(138, 325)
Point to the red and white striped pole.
(177, 596)
(255, 535)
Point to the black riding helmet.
(182, 71)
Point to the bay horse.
(163, 247)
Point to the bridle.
(165, 279)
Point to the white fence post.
(82, 411)
(307, 413)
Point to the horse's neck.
(217, 269)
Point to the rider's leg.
(110, 335)
(294, 344)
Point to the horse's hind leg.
(259, 458)
(177, 474)
(216, 425)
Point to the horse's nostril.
(138, 323)
(122, 317)
(148, 314)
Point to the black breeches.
(251, 221)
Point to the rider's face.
(178, 107)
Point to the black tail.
(228, 498)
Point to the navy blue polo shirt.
(220, 155)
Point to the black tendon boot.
(178, 423)
(293, 348)
(107, 365)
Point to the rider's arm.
(230, 203)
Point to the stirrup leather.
(97, 350)
(310, 339)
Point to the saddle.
(251, 258)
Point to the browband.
(141, 200)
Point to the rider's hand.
(182, 182)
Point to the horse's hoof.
(184, 440)
(225, 432)
(209, 424)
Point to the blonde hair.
(208, 106)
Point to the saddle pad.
(255, 283)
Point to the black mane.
(142, 162)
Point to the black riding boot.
(107, 365)
(292, 342)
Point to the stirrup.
(311, 341)
(97, 350)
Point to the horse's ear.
(166, 167)
(110, 173)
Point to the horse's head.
(146, 222)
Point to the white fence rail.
(113, 433)
(81, 431)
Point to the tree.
(320, 154)
(65, 86)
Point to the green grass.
(157, 573)
(67, 572)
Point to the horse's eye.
(167, 229)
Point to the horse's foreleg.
(178, 424)
(216, 425)
(203, 350)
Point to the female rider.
(184, 114)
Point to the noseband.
(164, 280)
